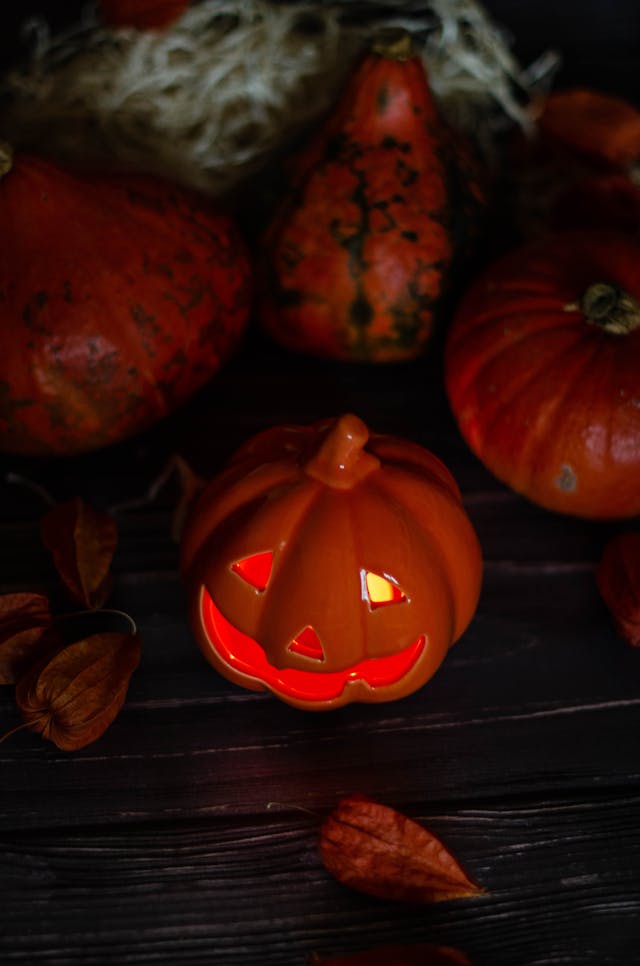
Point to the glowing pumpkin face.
(329, 572)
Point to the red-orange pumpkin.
(360, 250)
(579, 171)
(618, 580)
(602, 127)
(542, 370)
(119, 297)
(330, 566)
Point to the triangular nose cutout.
(308, 644)
(255, 569)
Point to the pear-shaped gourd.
(360, 252)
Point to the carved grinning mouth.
(245, 655)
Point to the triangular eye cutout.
(255, 569)
(308, 644)
(381, 591)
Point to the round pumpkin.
(583, 121)
(579, 171)
(360, 250)
(330, 566)
(120, 296)
(542, 368)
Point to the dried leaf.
(423, 954)
(24, 618)
(618, 578)
(189, 485)
(82, 542)
(377, 850)
(72, 696)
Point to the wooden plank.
(255, 891)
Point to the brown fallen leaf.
(82, 541)
(618, 579)
(423, 954)
(72, 696)
(24, 618)
(377, 850)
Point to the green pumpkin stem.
(341, 460)
(6, 158)
(394, 44)
(610, 307)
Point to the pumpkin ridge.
(417, 473)
(473, 366)
(238, 531)
(606, 372)
(416, 460)
(359, 557)
(537, 315)
(533, 443)
(540, 309)
(213, 508)
(306, 526)
(291, 526)
(505, 401)
(428, 536)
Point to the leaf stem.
(20, 727)
(28, 484)
(112, 611)
(152, 491)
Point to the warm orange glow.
(243, 654)
(308, 643)
(381, 591)
(255, 569)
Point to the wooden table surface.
(187, 834)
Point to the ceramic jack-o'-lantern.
(329, 565)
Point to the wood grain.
(254, 890)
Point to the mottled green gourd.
(360, 252)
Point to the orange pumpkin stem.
(6, 158)
(341, 460)
(610, 307)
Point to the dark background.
(598, 39)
